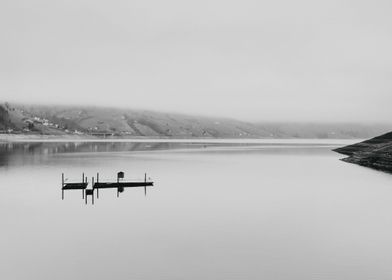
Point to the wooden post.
(62, 185)
(83, 183)
(92, 182)
(118, 180)
(97, 186)
(145, 184)
(85, 196)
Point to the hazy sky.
(258, 60)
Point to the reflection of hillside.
(38, 152)
(19, 154)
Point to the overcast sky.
(278, 60)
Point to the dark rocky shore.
(375, 153)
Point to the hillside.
(374, 153)
(99, 121)
(93, 121)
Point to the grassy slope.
(130, 122)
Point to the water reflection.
(35, 153)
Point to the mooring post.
(62, 186)
(145, 184)
(97, 186)
(92, 195)
(118, 180)
(83, 183)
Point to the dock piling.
(83, 183)
(97, 182)
(92, 194)
(62, 185)
(145, 185)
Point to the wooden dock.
(120, 185)
(73, 186)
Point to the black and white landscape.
(203, 139)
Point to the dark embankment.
(374, 153)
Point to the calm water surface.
(271, 210)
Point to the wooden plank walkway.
(75, 186)
(122, 185)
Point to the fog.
(254, 60)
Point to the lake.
(270, 209)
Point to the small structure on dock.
(120, 184)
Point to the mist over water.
(217, 211)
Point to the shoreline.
(373, 153)
(15, 138)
